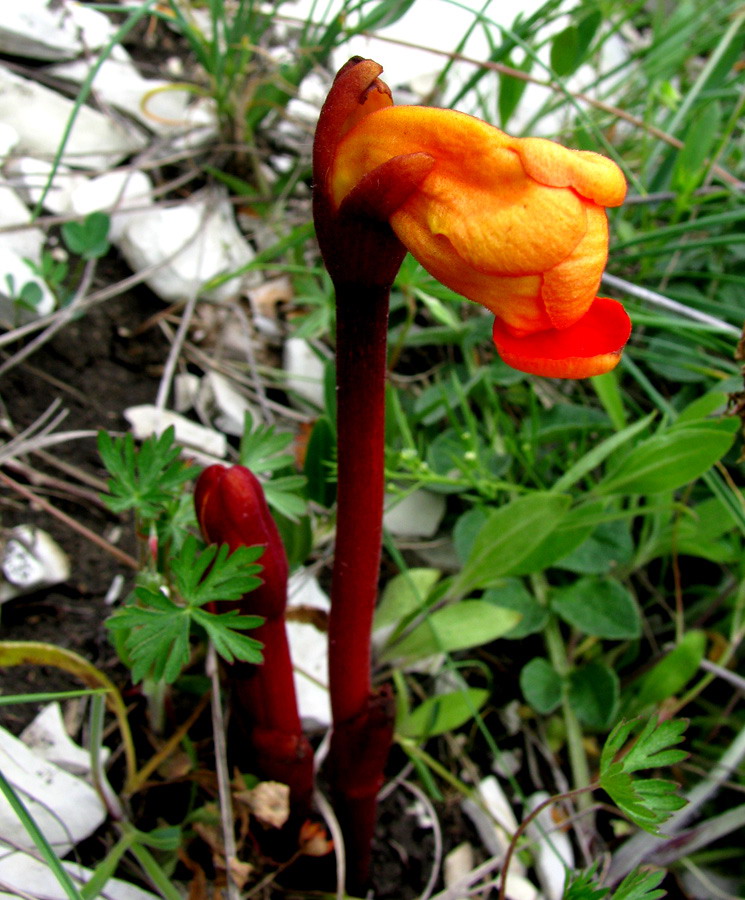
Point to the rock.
(32, 560)
(49, 740)
(552, 848)
(29, 176)
(121, 190)
(160, 105)
(8, 139)
(304, 371)
(217, 395)
(200, 442)
(191, 244)
(309, 649)
(40, 115)
(416, 515)
(25, 240)
(52, 29)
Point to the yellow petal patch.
(593, 176)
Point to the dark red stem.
(363, 721)
(266, 693)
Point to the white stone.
(30, 877)
(14, 273)
(40, 116)
(121, 190)
(309, 650)
(25, 239)
(304, 371)
(8, 139)
(231, 406)
(47, 737)
(186, 386)
(202, 443)
(52, 29)
(29, 177)
(551, 847)
(32, 559)
(414, 515)
(65, 807)
(159, 104)
(191, 244)
(493, 817)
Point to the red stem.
(266, 693)
(361, 334)
(363, 722)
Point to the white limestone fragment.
(40, 115)
(188, 245)
(160, 105)
(415, 515)
(8, 139)
(202, 443)
(309, 650)
(24, 239)
(52, 29)
(304, 371)
(552, 848)
(218, 394)
(126, 192)
(47, 737)
(29, 176)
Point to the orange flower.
(515, 224)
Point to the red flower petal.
(591, 346)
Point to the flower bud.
(231, 509)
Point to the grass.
(608, 513)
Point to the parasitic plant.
(517, 225)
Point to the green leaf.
(700, 139)
(672, 458)
(442, 713)
(646, 801)
(156, 627)
(513, 594)
(215, 574)
(640, 885)
(593, 694)
(608, 546)
(263, 448)
(582, 886)
(565, 51)
(541, 685)
(599, 453)
(404, 595)
(599, 606)
(319, 457)
(88, 238)
(507, 538)
(672, 673)
(460, 626)
(146, 479)
(229, 643)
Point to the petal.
(569, 288)
(591, 346)
(516, 300)
(593, 176)
(478, 194)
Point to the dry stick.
(223, 776)
(118, 554)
